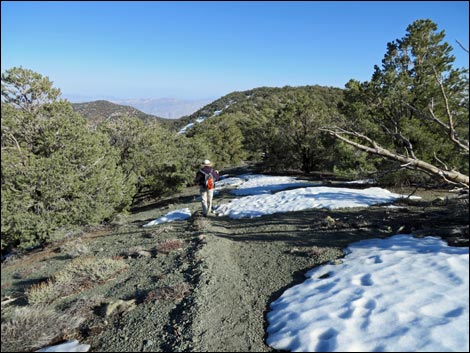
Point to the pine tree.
(415, 108)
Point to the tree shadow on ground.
(341, 227)
(180, 200)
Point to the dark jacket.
(200, 177)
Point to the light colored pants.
(206, 196)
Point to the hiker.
(206, 178)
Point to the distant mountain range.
(169, 108)
(97, 111)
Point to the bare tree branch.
(443, 164)
(462, 144)
(11, 137)
(450, 176)
(461, 46)
(452, 132)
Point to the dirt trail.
(220, 301)
(239, 278)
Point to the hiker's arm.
(197, 179)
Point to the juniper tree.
(223, 138)
(56, 174)
(294, 136)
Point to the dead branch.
(450, 176)
(441, 162)
(461, 46)
(452, 132)
(462, 144)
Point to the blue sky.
(208, 49)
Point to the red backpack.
(209, 183)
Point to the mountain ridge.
(250, 102)
(253, 101)
(100, 110)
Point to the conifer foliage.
(414, 110)
(56, 174)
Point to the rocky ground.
(205, 284)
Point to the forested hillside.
(276, 126)
(259, 101)
(98, 111)
(408, 124)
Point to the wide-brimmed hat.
(207, 162)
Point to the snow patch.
(399, 294)
(176, 215)
(303, 198)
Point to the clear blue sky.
(195, 49)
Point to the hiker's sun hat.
(207, 162)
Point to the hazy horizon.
(165, 107)
(200, 50)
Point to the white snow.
(202, 118)
(399, 294)
(186, 128)
(227, 182)
(176, 215)
(69, 346)
(257, 184)
(301, 199)
(362, 181)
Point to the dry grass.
(42, 293)
(176, 293)
(329, 222)
(75, 248)
(159, 231)
(201, 224)
(78, 274)
(169, 245)
(118, 307)
(30, 328)
(38, 255)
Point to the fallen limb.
(370, 146)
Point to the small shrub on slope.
(78, 274)
(30, 328)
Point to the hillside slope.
(97, 111)
(261, 100)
